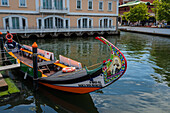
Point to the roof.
(134, 3)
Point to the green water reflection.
(143, 88)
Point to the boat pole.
(2, 47)
(35, 68)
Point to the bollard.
(35, 68)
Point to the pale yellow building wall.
(14, 5)
(32, 19)
(84, 8)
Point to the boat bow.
(115, 66)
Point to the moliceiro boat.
(66, 74)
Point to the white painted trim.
(63, 4)
(19, 11)
(53, 16)
(91, 14)
(20, 3)
(111, 6)
(5, 5)
(88, 4)
(68, 5)
(37, 5)
(41, 4)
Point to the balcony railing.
(53, 10)
(58, 30)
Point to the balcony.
(53, 10)
(34, 30)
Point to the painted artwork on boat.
(115, 66)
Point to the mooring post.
(2, 47)
(35, 68)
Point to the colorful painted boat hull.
(110, 71)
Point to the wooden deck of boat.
(26, 60)
(60, 76)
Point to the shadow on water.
(46, 99)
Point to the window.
(90, 5)
(84, 22)
(79, 23)
(105, 23)
(5, 2)
(110, 6)
(52, 22)
(78, 4)
(58, 22)
(22, 3)
(90, 23)
(47, 4)
(100, 5)
(58, 4)
(15, 22)
(48, 23)
(67, 24)
(39, 23)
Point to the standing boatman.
(9, 37)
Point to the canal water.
(144, 88)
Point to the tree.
(162, 9)
(137, 13)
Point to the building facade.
(126, 8)
(43, 15)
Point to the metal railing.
(58, 29)
(54, 9)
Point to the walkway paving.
(147, 30)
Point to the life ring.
(68, 69)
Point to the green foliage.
(162, 9)
(137, 13)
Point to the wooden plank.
(60, 65)
(3, 85)
(44, 58)
(2, 68)
(14, 56)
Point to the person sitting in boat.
(10, 42)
